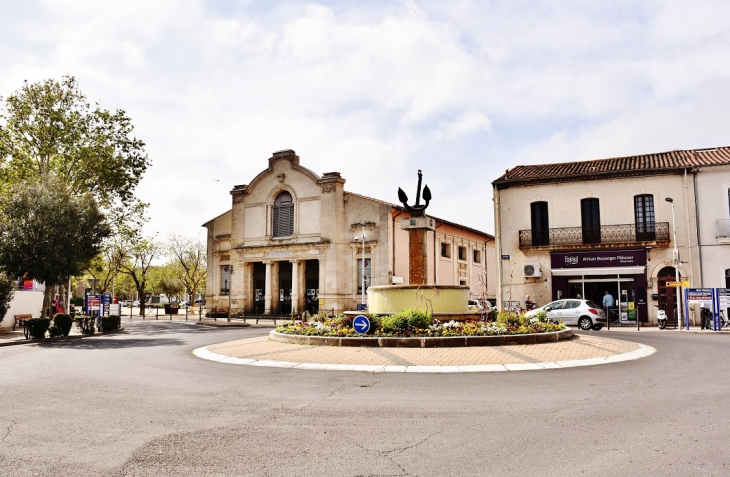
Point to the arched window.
(283, 225)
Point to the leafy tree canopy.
(49, 127)
(48, 233)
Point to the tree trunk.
(46, 301)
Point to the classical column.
(294, 286)
(267, 288)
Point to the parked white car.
(585, 314)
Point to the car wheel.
(585, 323)
(598, 326)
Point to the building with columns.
(295, 241)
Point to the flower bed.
(418, 324)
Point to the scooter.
(662, 316)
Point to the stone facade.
(623, 257)
(316, 265)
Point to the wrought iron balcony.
(609, 236)
(723, 228)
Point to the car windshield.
(592, 304)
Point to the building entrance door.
(259, 287)
(285, 281)
(667, 295)
(311, 278)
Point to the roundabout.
(576, 352)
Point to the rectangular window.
(539, 223)
(462, 253)
(476, 256)
(590, 220)
(445, 250)
(359, 274)
(225, 279)
(644, 215)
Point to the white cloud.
(468, 122)
(379, 90)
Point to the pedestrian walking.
(608, 303)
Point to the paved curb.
(642, 352)
(223, 324)
(59, 338)
(435, 342)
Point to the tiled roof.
(647, 164)
(400, 207)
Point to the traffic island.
(584, 350)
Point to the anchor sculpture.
(416, 210)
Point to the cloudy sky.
(378, 89)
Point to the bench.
(218, 312)
(20, 320)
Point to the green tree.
(191, 257)
(167, 279)
(7, 289)
(50, 128)
(48, 234)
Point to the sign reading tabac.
(599, 258)
(678, 284)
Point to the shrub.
(77, 300)
(37, 327)
(510, 318)
(541, 316)
(63, 322)
(492, 314)
(110, 322)
(393, 323)
(419, 319)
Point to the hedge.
(37, 327)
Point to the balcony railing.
(723, 228)
(608, 236)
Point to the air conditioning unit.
(530, 270)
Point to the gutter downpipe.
(689, 240)
(435, 254)
(498, 246)
(697, 224)
(392, 272)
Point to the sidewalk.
(655, 329)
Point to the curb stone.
(642, 352)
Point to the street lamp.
(362, 298)
(675, 256)
(230, 289)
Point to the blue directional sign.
(361, 324)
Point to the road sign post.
(361, 324)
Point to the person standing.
(607, 304)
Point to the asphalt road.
(139, 403)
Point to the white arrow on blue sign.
(361, 324)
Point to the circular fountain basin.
(447, 302)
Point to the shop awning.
(599, 271)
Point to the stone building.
(294, 241)
(579, 229)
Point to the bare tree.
(135, 258)
(191, 255)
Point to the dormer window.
(283, 225)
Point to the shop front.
(589, 275)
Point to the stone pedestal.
(418, 228)
(417, 257)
